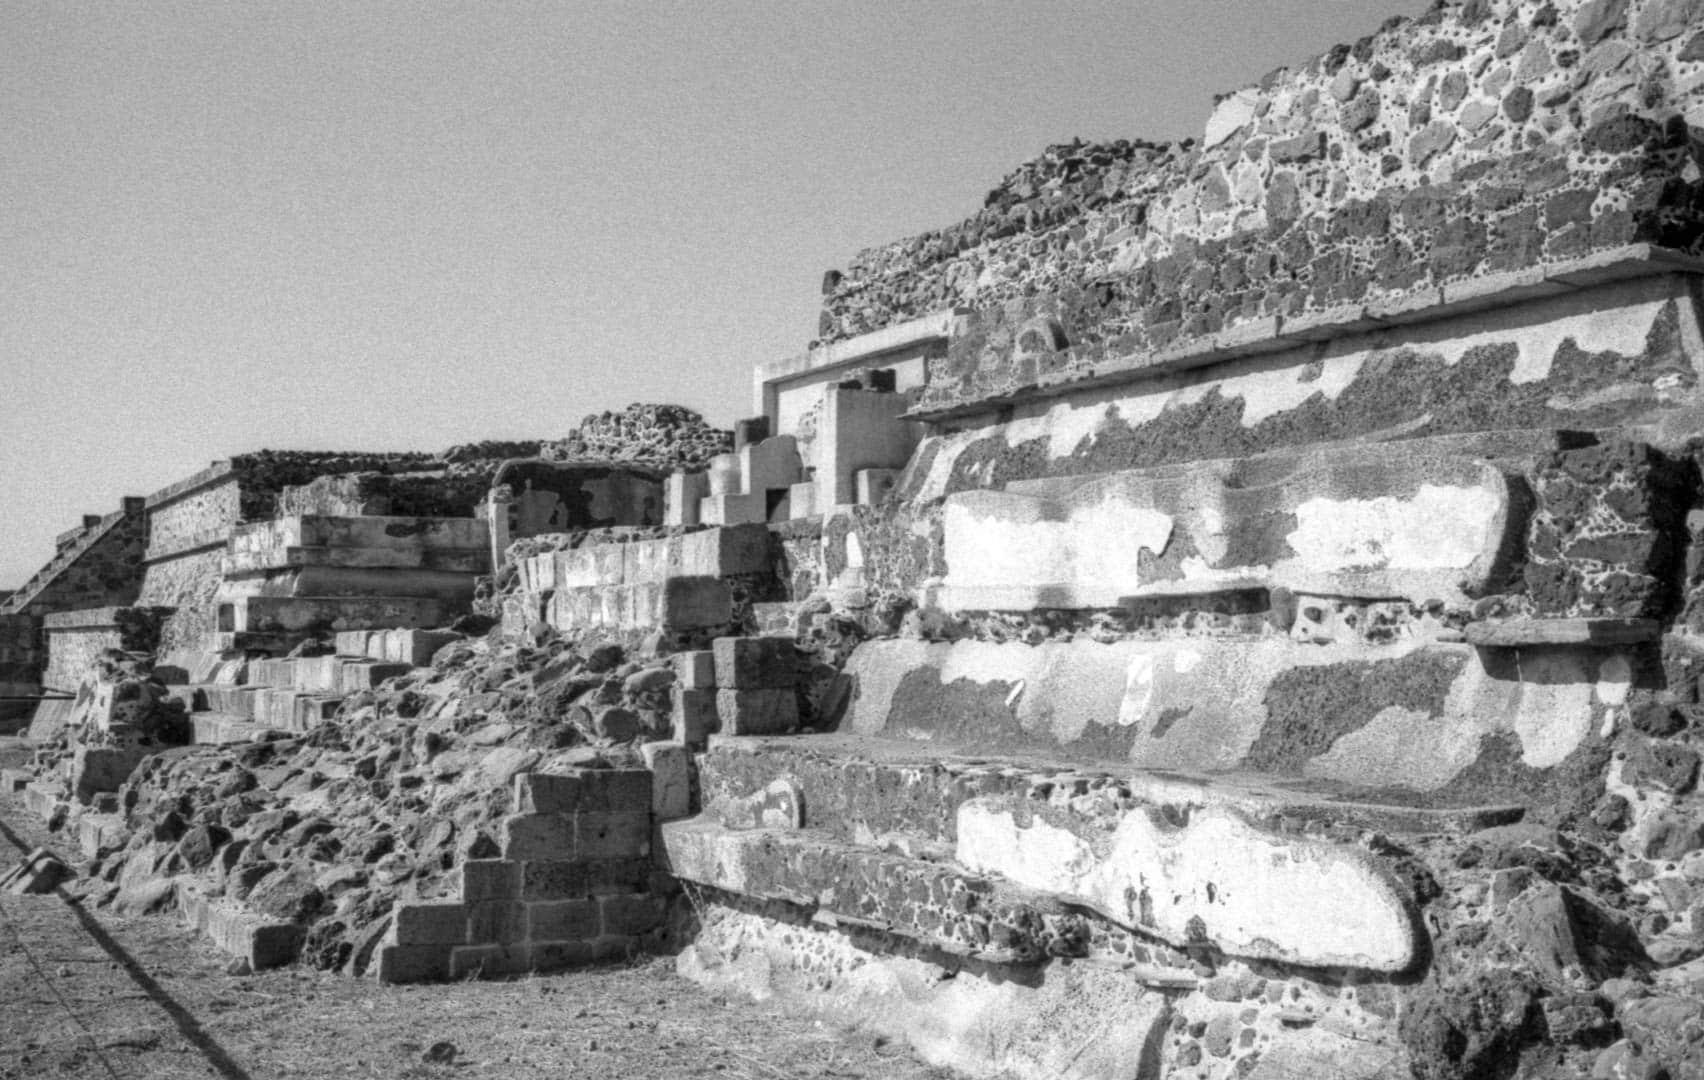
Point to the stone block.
(583, 789)
(612, 835)
(496, 921)
(671, 779)
(755, 663)
(733, 509)
(490, 879)
(538, 836)
(443, 923)
(416, 647)
(318, 674)
(728, 551)
(757, 712)
(873, 485)
(557, 955)
(352, 642)
(695, 670)
(368, 674)
(412, 963)
(772, 463)
(562, 920)
(569, 879)
(681, 496)
(692, 716)
(490, 960)
(801, 500)
(690, 603)
(631, 915)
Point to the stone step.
(293, 710)
(215, 729)
(371, 533)
(324, 674)
(452, 560)
(95, 831)
(304, 615)
(447, 586)
(403, 646)
(863, 888)
(673, 604)
(864, 787)
(264, 942)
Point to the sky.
(402, 226)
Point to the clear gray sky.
(377, 226)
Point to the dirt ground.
(88, 994)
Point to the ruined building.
(1229, 608)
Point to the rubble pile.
(330, 829)
(666, 437)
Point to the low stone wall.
(76, 639)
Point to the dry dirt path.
(88, 994)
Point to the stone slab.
(1211, 879)
(1513, 633)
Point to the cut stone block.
(444, 923)
(757, 712)
(874, 485)
(412, 963)
(366, 675)
(327, 615)
(218, 729)
(734, 509)
(496, 921)
(681, 495)
(237, 931)
(568, 879)
(370, 532)
(630, 915)
(490, 961)
(693, 716)
(576, 836)
(755, 663)
(490, 879)
(617, 790)
(1513, 633)
(562, 920)
(695, 670)
(671, 779)
(1210, 880)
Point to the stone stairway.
(233, 700)
(1011, 860)
(70, 546)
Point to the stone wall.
(76, 639)
(665, 437)
(1479, 139)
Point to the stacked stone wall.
(1482, 138)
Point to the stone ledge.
(206, 540)
(1274, 333)
(1514, 633)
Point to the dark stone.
(1693, 49)
(1598, 19)
(1657, 718)
(1665, 766)
(1436, 51)
(1361, 111)
(1620, 134)
(1673, 835)
(1307, 146)
(1310, 708)
(1517, 104)
(1471, 1028)
(1580, 1018)
(1573, 205)
(1559, 930)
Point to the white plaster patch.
(1186, 660)
(995, 539)
(1268, 393)
(1554, 709)
(1621, 328)
(1438, 528)
(1138, 690)
(1383, 752)
(1614, 679)
(1216, 871)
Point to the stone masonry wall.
(1483, 137)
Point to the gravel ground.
(88, 994)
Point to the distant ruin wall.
(76, 639)
(1481, 138)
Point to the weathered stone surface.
(1208, 880)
